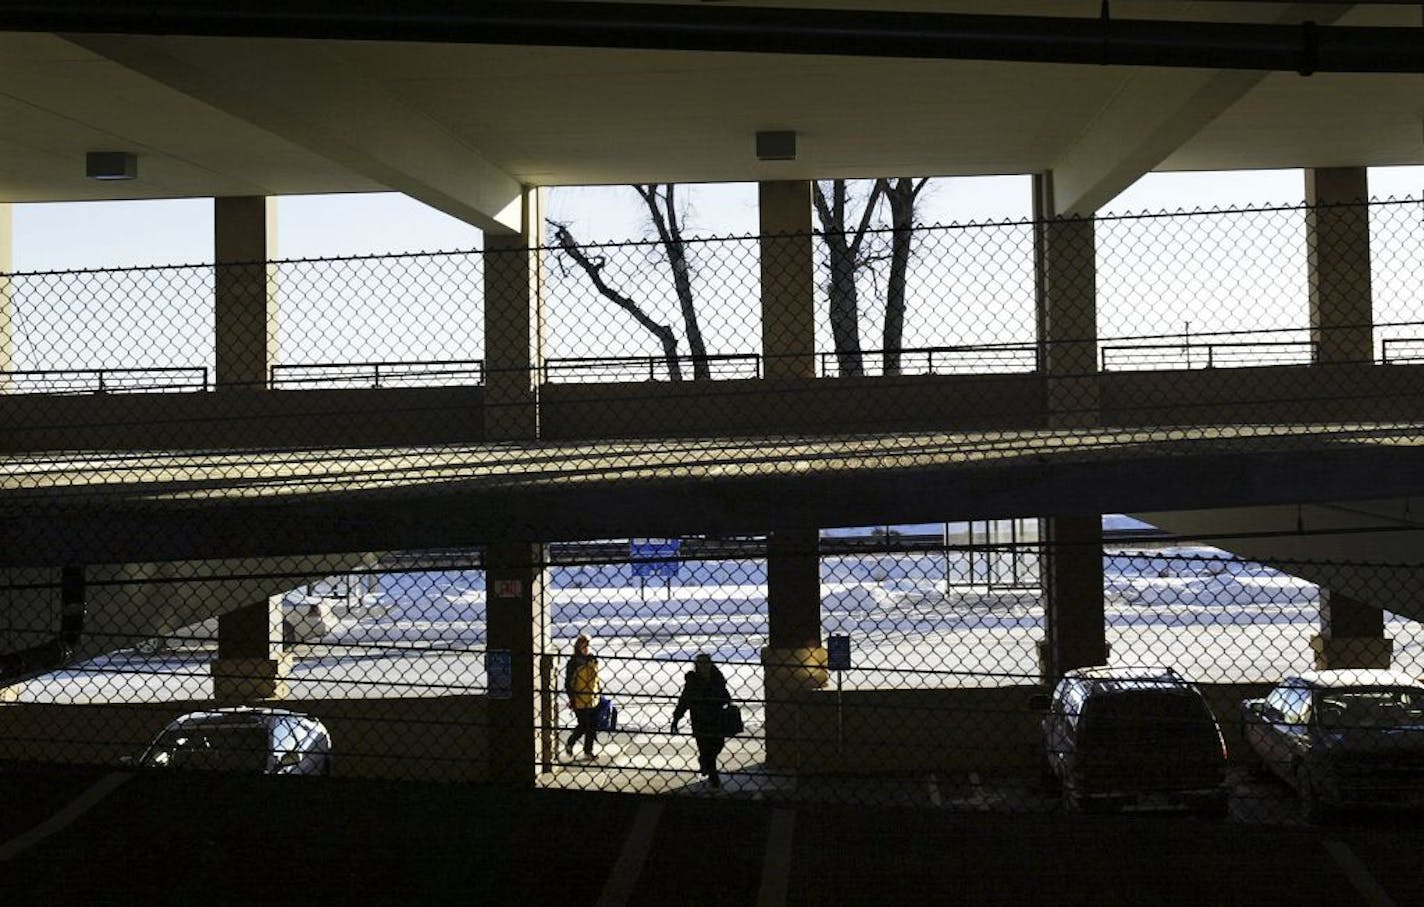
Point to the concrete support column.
(1072, 569)
(523, 725)
(1067, 288)
(794, 660)
(1351, 634)
(245, 304)
(788, 280)
(514, 327)
(251, 664)
(1338, 247)
(7, 293)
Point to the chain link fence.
(933, 692)
(912, 666)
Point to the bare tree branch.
(662, 210)
(594, 269)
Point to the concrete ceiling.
(461, 127)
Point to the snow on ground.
(1213, 617)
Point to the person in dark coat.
(704, 694)
(582, 685)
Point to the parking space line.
(624, 876)
(66, 816)
(776, 866)
(1360, 877)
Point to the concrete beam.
(306, 93)
(1154, 114)
(1347, 547)
(137, 524)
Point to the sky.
(1244, 275)
(133, 234)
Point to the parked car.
(1342, 738)
(244, 740)
(1125, 737)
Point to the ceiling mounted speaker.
(776, 146)
(111, 165)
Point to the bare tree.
(593, 267)
(662, 210)
(850, 251)
(844, 248)
(901, 195)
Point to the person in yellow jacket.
(581, 683)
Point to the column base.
(1351, 651)
(791, 721)
(247, 679)
(802, 668)
(1045, 662)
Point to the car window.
(1279, 699)
(1147, 716)
(232, 748)
(1381, 708)
(1297, 705)
(284, 737)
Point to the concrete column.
(1072, 570)
(788, 280)
(7, 298)
(1067, 288)
(251, 664)
(245, 307)
(514, 328)
(1338, 249)
(523, 726)
(1351, 634)
(794, 660)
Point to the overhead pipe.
(1304, 48)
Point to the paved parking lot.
(94, 837)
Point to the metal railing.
(970, 359)
(1174, 356)
(1401, 349)
(595, 369)
(75, 381)
(434, 373)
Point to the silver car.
(243, 740)
(1343, 738)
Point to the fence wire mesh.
(918, 678)
(907, 668)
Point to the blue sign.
(838, 653)
(655, 557)
(499, 674)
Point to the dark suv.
(1134, 737)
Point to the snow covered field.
(1213, 617)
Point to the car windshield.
(1380, 708)
(225, 748)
